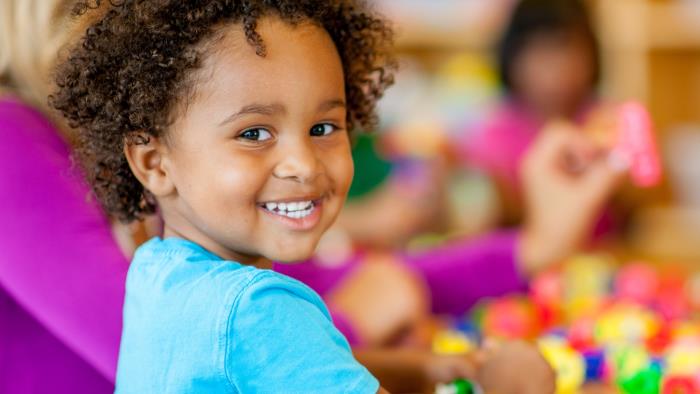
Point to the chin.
(291, 255)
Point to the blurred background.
(448, 88)
(431, 233)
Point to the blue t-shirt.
(194, 323)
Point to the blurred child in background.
(549, 65)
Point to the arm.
(57, 255)
(371, 301)
(405, 370)
(497, 368)
(461, 273)
(562, 205)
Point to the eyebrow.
(331, 104)
(261, 109)
(276, 108)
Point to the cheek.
(341, 168)
(223, 182)
(582, 71)
(528, 75)
(348, 171)
(241, 179)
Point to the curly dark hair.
(124, 80)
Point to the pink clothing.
(499, 145)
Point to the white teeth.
(294, 210)
(303, 205)
(294, 206)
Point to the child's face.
(260, 134)
(553, 73)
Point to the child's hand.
(410, 370)
(567, 179)
(514, 368)
(381, 298)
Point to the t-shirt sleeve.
(280, 339)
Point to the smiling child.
(233, 118)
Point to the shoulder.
(172, 266)
(29, 137)
(35, 162)
(279, 288)
(18, 117)
(265, 296)
(280, 338)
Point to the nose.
(299, 161)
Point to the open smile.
(300, 214)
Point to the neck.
(212, 246)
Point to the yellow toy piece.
(683, 358)
(452, 342)
(586, 284)
(566, 362)
(626, 324)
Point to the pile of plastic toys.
(635, 327)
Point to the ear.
(147, 157)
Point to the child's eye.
(322, 129)
(256, 134)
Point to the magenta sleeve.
(345, 326)
(461, 273)
(458, 274)
(58, 259)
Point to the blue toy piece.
(595, 364)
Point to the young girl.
(232, 119)
(549, 66)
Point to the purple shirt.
(62, 274)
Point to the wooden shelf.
(673, 25)
(649, 25)
(446, 24)
(635, 35)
